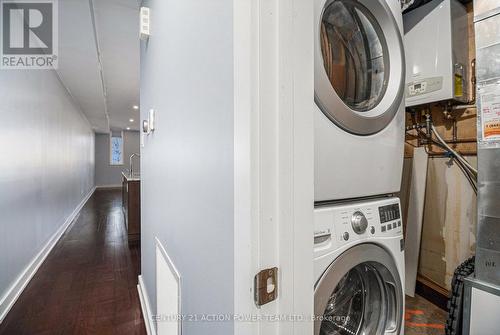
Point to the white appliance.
(436, 47)
(359, 87)
(359, 268)
(480, 308)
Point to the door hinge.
(266, 286)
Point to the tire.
(453, 325)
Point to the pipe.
(462, 140)
(455, 129)
(415, 127)
(473, 79)
(428, 125)
(458, 107)
(131, 165)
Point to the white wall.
(187, 163)
(46, 165)
(449, 222)
(111, 175)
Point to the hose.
(468, 176)
(456, 154)
(471, 178)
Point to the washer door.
(359, 294)
(359, 64)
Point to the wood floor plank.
(87, 284)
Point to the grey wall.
(111, 175)
(46, 164)
(187, 163)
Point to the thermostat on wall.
(145, 23)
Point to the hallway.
(87, 284)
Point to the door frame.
(273, 164)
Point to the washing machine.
(359, 268)
(359, 77)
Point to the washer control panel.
(345, 223)
(390, 217)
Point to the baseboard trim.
(13, 293)
(146, 307)
(432, 292)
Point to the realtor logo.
(29, 34)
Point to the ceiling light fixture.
(128, 128)
(135, 107)
(131, 120)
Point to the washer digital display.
(389, 213)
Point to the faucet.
(131, 165)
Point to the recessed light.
(135, 107)
(128, 128)
(131, 120)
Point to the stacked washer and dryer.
(359, 139)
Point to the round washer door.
(359, 67)
(359, 294)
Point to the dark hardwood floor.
(87, 284)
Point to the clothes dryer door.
(359, 64)
(359, 294)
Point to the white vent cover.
(168, 294)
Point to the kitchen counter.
(131, 177)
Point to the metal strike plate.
(266, 286)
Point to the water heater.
(437, 53)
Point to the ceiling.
(99, 60)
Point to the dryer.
(359, 269)
(359, 77)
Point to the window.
(116, 148)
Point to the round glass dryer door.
(359, 64)
(359, 296)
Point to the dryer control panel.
(340, 224)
